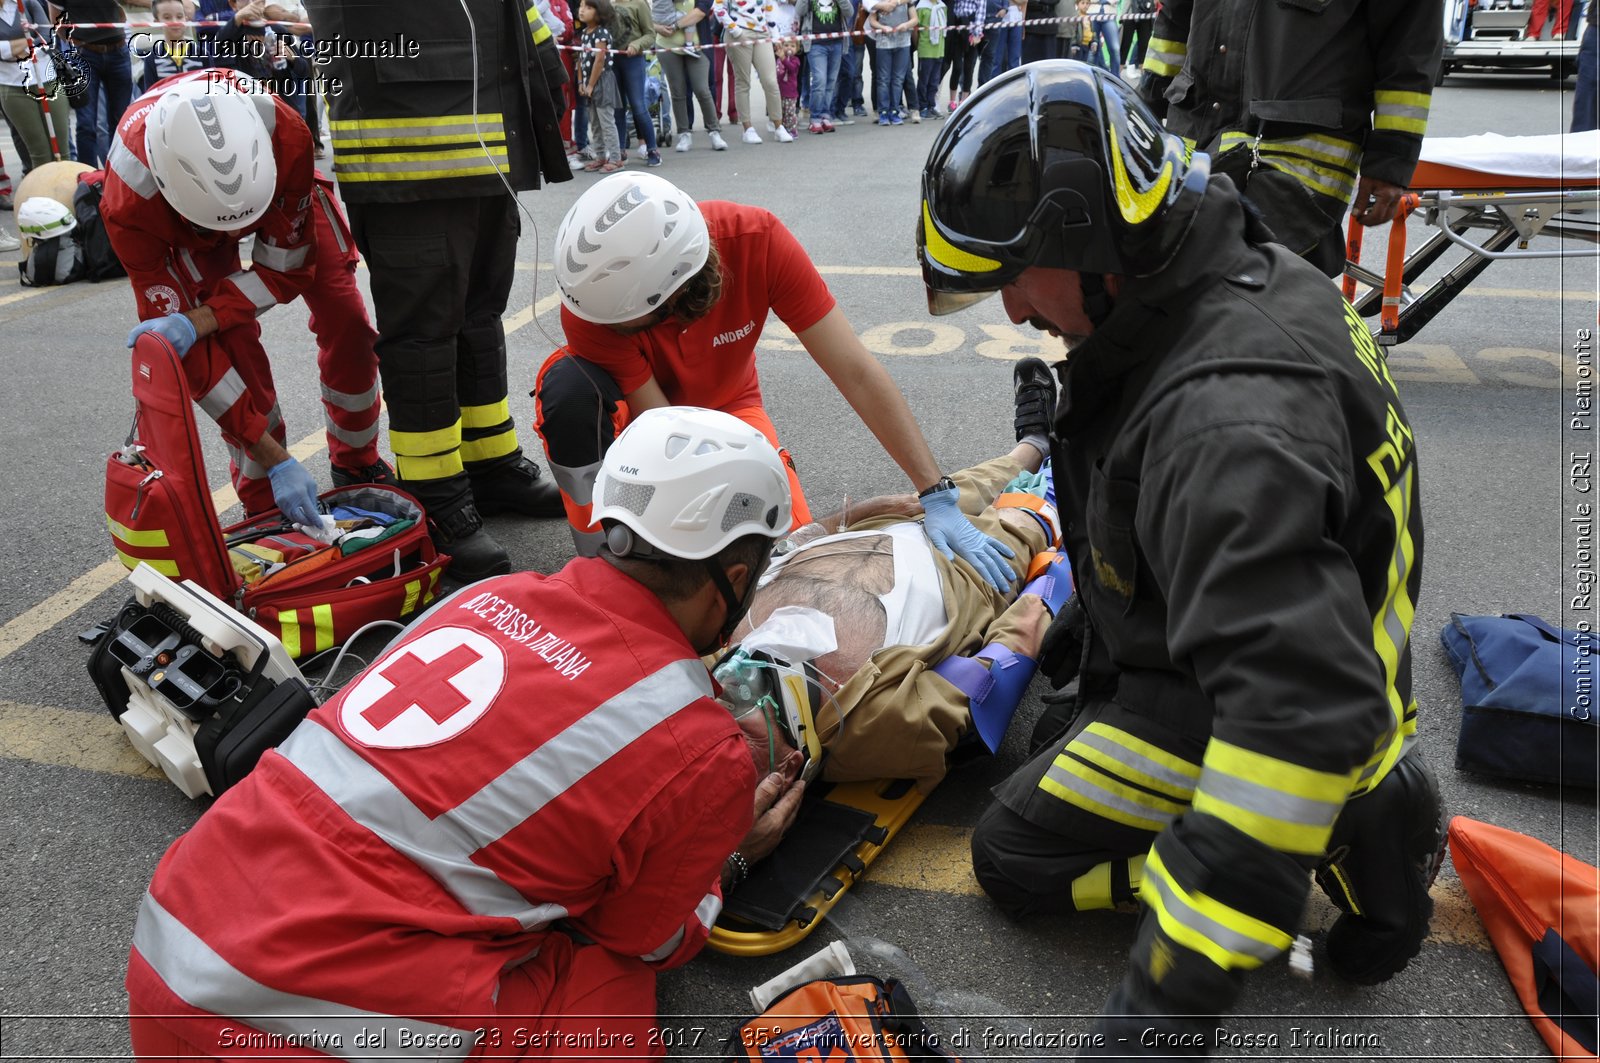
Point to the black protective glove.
(1061, 650)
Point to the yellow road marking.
(90, 741)
(26, 293)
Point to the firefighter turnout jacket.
(171, 261)
(1335, 89)
(1247, 543)
(435, 105)
(539, 755)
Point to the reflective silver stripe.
(204, 980)
(1137, 761)
(254, 290)
(1099, 795)
(357, 402)
(438, 846)
(247, 467)
(135, 174)
(708, 909)
(223, 394)
(1262, 799)
(278, 258)
(1226, 937)
(463, 128)
(667, 948)
(1393, 626)
(1324, 179)
(576, 482)
(549, 771)
(187, 258)
(335, 222)
(444, 846)
(356, 438)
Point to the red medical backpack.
(159, 511)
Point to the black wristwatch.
(942, 483)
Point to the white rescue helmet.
(211, 153)
(688, 482)
(627, 244)
(40, 218)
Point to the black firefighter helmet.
(1054, 164)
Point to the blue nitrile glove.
(950, 530)
(176, 329)
(295, 492)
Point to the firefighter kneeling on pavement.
(491, 839)
(200, 162)
(1239, 482)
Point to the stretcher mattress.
(1489, 160)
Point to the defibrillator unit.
(201, 690)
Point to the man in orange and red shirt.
(678, 323)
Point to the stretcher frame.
(1456, 201)
(891, 803)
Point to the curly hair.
(700, 292)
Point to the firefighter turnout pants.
(441, 276)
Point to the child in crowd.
(932, 18)
(176, 51)
(597, 85)
(789, 83)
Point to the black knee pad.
(577, 400)
(1382, 859)
(995, 863)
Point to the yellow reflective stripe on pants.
(1139, 761)
(1401, 112)
(1165, 58)
(1092, 890)
(161, 565)
(1251, 792)
(1227, 937)
(489, 448)
(432, 467)
(438, 441)
(124, 534)
(1326, 165)
(492, 415)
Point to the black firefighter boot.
(1385, 851)
(516, 487)
(474, 554)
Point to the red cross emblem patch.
(426, 691)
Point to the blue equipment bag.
(1527, 698)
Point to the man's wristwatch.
(943, 483)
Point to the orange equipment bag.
(1542, 910)
(159, 511)
(838, 1019)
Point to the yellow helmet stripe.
(949, 255)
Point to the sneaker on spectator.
(952, 103)
(717, 143)
(771, 128)
(684, 142)
(9, 242)
(895, 119)
(861, 112)
(643, 152)
(882, 119)
(751, 136)
(653, 159)
(916, 117)
(845, 118)
(815, 126)
(827, 125)
(784, 136)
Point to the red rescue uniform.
(302, 248)
(710, 363)
(539, 754)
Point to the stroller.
(658, 99)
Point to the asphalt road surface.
(1490, 387)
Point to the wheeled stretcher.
(1510, 188)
